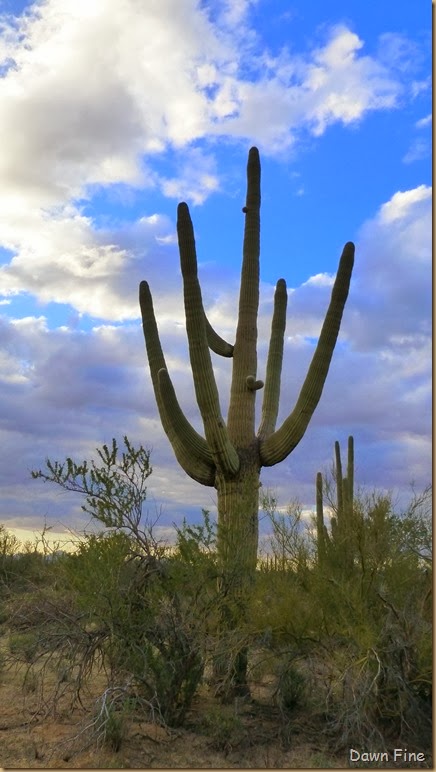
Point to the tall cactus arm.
(216, 343)
(241, 414)
(348, 483)
(350, 471)
(320, 527)
(279, 444)
(190, 448)
(270, 405)
(223, 452)
(339, 484)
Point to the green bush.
(291, 688)
(140, 609)
(24, 646)
(224, 727)
(363, 635)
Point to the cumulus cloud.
(393, 273)
(105, 89)
(63, 393)
(343, 86)
(196, 179)
(104, 84)
(61, 257)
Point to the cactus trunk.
(238, 508)
(238, 536)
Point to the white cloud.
(390, 305)
(320, 280)
(60, 257)
(343, 86)
(234, 12)
(419, 149)
(399, 52)
(402, 204)
(100, 85)
(103, 89)
(196, 179)
(424, 122)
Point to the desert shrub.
(9, 547)
(23, 646)
(224, 728)
(376, 630)
(4, 614)
(158, 647)
(111, 720)
(31, 681)
(288, 541)
(108, 725)
(114, 730)
(128, 615)
(281, 610)
(361, 636)
(371, 700)
(290, 693)
(139, 607)
(140, 615)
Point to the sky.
(114, 111)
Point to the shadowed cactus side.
(231, 454)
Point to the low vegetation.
(120, 641)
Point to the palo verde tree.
(230, 455)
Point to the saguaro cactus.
(342, 537)
(231, 455)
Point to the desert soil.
(248, 735)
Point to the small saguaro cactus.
(230, 455)
(341, 537)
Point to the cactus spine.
(230, 456)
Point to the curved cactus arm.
(279, 444)
(190, 448)
(270, 405)
(156, 359)
(241, 414)
(216, 342)
(223, 452)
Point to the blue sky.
(110, 114)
